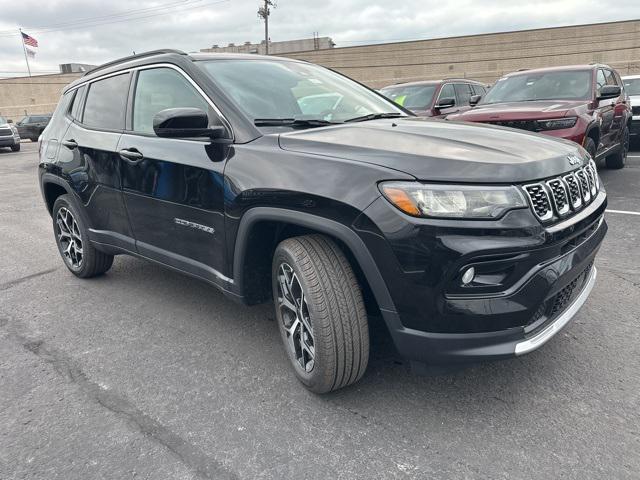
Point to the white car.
(632, 87)
(9, 136)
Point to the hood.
(540, 109)
(439, 150)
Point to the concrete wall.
(486, 57)
(20, 96)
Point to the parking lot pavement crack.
(26, 278)
(202, 465)
(622, 277)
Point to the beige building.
(486, 57)
(20, 96)
(275, 48)
(481, 57)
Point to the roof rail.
(134, 57)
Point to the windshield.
(3, 120)
(632, 86)
(413, 97)
(267, 89)
(567, 85)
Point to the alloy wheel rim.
(294, 311)
(69, 238)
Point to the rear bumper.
(9, 141)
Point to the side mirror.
(474, 99)
(185, 123)
(445, 103)
(609, 91)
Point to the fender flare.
(592, 126)
(51, 178)
(322, 225)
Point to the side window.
(611, 80)
(161, 88)
(600, 79)
(106, 103)
(76, 105)
(463, 92)
(447, 91)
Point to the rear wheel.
(618, 159)
(15, 148)
(72, 238)
(320, 313)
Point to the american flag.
(29, 40)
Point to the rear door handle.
(70, 144)
(131, 155)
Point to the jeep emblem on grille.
(574, 159)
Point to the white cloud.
(195, 24)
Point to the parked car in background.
(632, 88)
(32, 126)
(9, 136)
(437, 98)
(583, 103)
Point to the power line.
(91, 25)
(101, 17)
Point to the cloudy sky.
(89, 31)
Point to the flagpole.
(24, 49)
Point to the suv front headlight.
(556, 123)
(452, 201)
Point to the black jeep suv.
(471, 241)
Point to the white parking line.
(624, 212)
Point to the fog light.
(467, 277)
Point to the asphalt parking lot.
(144, 373)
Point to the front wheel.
(15, 148)
(320, 313)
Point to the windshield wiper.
(292, 122)
(375, 116)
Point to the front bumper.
(550, 275)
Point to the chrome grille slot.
(584, 185)
(574, 190)
(539, 200)
(559, 194)
(593, 175)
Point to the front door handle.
(70, 144)
(131, 155)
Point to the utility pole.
(24, 49)
(264, 12)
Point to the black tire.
(15, 148)
(92, 262)
(336, 312)
(591, 147)
(618, 159)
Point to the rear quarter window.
(106, 103)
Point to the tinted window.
(447, 91)
(77, 103)
(418, 97)
(106, 103)
(463, 92)
(161, 88)
(553, 85)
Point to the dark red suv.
(583, 103)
